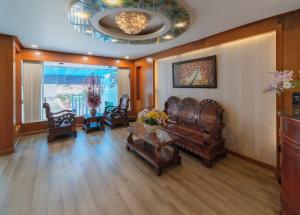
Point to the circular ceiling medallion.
(101, 19)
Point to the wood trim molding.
(279, 97)
(34, 133)
(42, 55)
(7, 152)
(253, 161)
(245, 31)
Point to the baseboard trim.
(251, 160)
(7, 151)
(34, 133)
(18, 141)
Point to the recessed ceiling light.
(85, 58)
(113, 2)
(149, 59)
(34, 46)
(127, 57)
(38, 53)
(81, 15)
(117, 61)
(180, 24)
(168, 37)
(89, 31)
(90, 53)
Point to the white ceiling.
(45, 23)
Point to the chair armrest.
(109, 109)
(118, 112)
(67, 118)
(63, 111)
(123, 112)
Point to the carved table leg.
(83, 123)
(158, 160)
(102, 121)
(129, 141)
(176, 154)
(207, 163)
(158, 171)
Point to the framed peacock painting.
(197, 73)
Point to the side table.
(93, 122)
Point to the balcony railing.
(80, 106)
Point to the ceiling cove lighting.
(129, 22)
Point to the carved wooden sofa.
(199, 124)
(61, 123)
(117, 115)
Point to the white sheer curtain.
(32, 91)
(123, 82)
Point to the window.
(63, 86)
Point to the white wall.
(243, 71)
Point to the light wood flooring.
(94, 174)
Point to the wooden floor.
(94, 174)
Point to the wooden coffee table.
(153, 146)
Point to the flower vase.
(93, 111)
(151, 128)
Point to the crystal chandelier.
(132, 22)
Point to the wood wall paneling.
(146, 83)
(291, 52)
(6, 94)
(279, 98)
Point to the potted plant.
(94, 90)
(152, 119)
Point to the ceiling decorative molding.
(166, 20)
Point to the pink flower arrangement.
(94, 90)
(282, 80)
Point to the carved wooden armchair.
(117, 115)
(60, 123)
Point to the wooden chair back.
(172, 108)
(188, 112)
(210, 114)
